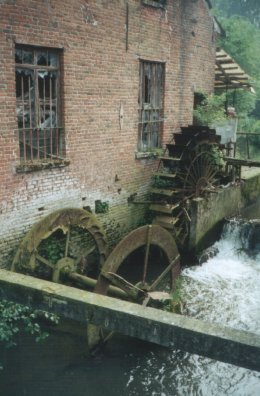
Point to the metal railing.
(247, 146)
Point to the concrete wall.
(164, 328)
(208, 214)
(98, 75)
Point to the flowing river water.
(224, 289)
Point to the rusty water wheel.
(141, 280)
(69, 239)
(202, 175)
(150, 275)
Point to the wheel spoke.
(163, 274)
(85, 253)
(44, 261)
(67, 243)
(147, 249)
(212, 174)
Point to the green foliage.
(175, 304)
(15, 318)
(249, 144)
(101, 207)
(157, 151)
(211, 110)
(243, 101)
(216, 156)
(242, 42)
(249, 124)
(158, 182)
(53, 247)
(249, 9)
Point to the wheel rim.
(201, 175)
(32, 257)
(146, 236)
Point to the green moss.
(101, 207)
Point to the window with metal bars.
(41, 137)
(151, 105)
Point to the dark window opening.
(151, 105)
(38, 104)
(155, 3)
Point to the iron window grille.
(151, 105)
(41, 136)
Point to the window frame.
(151, 107)
(38, 108)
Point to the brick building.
(89, 90)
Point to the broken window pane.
(47, 83)
(23, 56)
(52, 59)
(25, 98)
(37, 104)
(27, 57)
(147, 83)
(42, 58)
(18, 56)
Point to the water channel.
(224, 289)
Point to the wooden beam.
(176, 331)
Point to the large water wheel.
(67, 238)
(144, 265)
(147, 259)
(193, 167)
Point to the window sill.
(146, 155)
(34, 166)
(155, 4)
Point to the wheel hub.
(65, 264)
(201, 184)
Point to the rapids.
(225, 290)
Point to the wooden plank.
(164, 208)
(167, 222)
(169, 159)
(164, 328)
(164, 192)
(241, 162)
(165, 175)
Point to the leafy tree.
(249, 9)
(242, 42)
(211, 110)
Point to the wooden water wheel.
(146, 271)
(144, 265)
(67, 238)
(193, 167)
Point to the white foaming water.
(223, 290)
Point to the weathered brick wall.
(98, 75)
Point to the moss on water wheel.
(71, 234)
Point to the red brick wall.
(99, 75)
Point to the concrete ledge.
(163, 328)
(208, 213)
